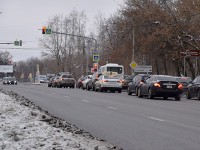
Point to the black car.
(133, 85)
(160, 86)
(9, 80)
(193, 89)
(185, 81)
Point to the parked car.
(9, 80)
(79, 82)
(91, 83)
(66, 80)
(106, 82)
(193, 89)
(160, 86)
(85, 81)
(185, 81)
(126, 79)
(133, 85)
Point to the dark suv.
(66, 80)
(193, 89)
(133, 85)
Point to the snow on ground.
(24, 126)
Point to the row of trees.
(150, 32)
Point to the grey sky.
(21, 19)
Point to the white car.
(105, 82)
(85, 80)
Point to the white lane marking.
(157, 119)
(85, 101)
(66, 96)
(112, 108)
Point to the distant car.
(9, 80)
(51, 81)
(160, 86)
(85, 81)
(66, 80)
(193, 89)
(185, 81)
(54, 82)
(91, 83)
(79, 82)
(126, 79)
(133, 85)
(106, 82)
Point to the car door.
(146, 85)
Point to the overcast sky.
(21, 19)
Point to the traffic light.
(44, 30)
(95, 66)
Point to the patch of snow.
(24, 126)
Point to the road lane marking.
(156, 119)
(112, 108)
(85, 101)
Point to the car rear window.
(67, 76)
(166, 78)
(109, 77)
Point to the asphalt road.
(127, 121)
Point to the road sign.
(48, 31)
(133, 65)
(143, 69)
(96, 57)
(190, 53)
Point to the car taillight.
(123, 81)
(105, 80)
(119, 81)
(180, 86)
(156, 84)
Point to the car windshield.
(67, 76)
(109, 77)
(12, 78)
(166, 78)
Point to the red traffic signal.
(44, 30)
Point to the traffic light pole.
(89, 38)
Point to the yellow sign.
(133, 65)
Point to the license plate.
(169, 86)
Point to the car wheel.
(165, 97)
(188, 95)
(129, 91)
(87, 87)
(198, 95)
(150, 96)
(178, 97)
(100, 89)
(139, 93)
(119, 91)
(95, 88)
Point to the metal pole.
(196, 68)
(184, 66)
(133, 49)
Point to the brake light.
(123, 81)
(156, 84)
(119, 81)
(104, 80)
(180, 86)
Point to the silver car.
(111, 83)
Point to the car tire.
(100, 89)
(150, 96)
(128, 91)
(139, 93)
(178, 97)
(119, 91)
(188, 95)
(198, 96)
(87, 87)
(95, 88)
(165, 97)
